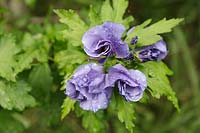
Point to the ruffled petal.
(99, 101)
(119, 72)
(130, 93)
(134, 94)
(97, 85)
(120, 49)
(139, 77)
(115, 28)
(71, 91)
(131, 83)
(92, 36)
(85, 69)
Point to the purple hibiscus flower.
(131, 83)
(89, 86)
(154, 52)
(104, 40)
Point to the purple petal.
(71, 91)
(131, 83)
(130, 93)
(118, 72)
(140, 78)
(97, 85)
(92, 36)
(121, 49)
(99, 101)
(157, 52)
(92, 53)
(85, 69)
(161, 45)
(115, 28)
(90, 86)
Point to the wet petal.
(89, 85)
(121, 49)
(115, 28)
(131, 83)
(99, 101)
(105, 40)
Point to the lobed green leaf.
(119, 8)
(125, 112)
(68, 60)
(41, 71)
(94, 122)
(149, 35)
(15, 95)
(106, 11)
(76, 27)
(33, 48)
(158, 82)
(116, 12)
(67, 106)
(94, 17)
(8, 50)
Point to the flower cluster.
(91, 86)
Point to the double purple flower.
(92, 87)
(89, 85)
(104, 40)
(131, 83)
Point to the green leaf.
(119, 8)
(158, 83)
(127, 21)
(67, 106)
(94, 17)
(68, 61)
(15, 95)
(106, 11)
(7, 53)
(41, 88)
(41, 71)
(149, 35)
(125, 112)
(76, 27)
(116, 12)
(33, 48)
(94, 122)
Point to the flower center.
(103, 47)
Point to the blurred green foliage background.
(158, 116)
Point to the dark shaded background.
(18, 16)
